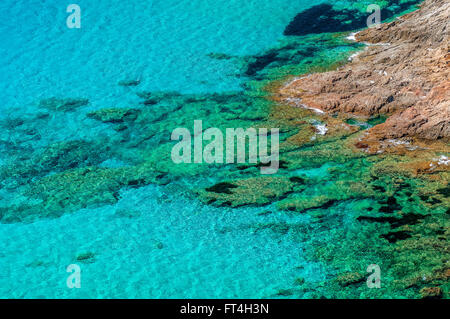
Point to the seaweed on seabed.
(63, 105)
(260, 62)
(395, 222)
(221, 188)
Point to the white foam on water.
(354, 56)
(297, 103)
(352, 36)
(443, 160)
(321, 129)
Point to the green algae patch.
(159, 159)
(304, 136)
(115, 115)
(350, 278)
(302, 204)
(431, 292)
(66, 176)
(339, 191)
(252, 191)
(129, 82)
(319, 154)
(54, 158)
(79, 188)
(75, 189)
(408, 239)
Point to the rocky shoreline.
(403, 73)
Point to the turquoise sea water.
(156, 241)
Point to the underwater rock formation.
(129, 82)
(405, 74)
(63, 105)
(325, 18)
(86, 257)
(114, 115)
(252, 191)
(431, 292)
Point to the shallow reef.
(364, 207)
(63, 105)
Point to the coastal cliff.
(402, 73)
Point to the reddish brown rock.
(404, 74)
(431, 292)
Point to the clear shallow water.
(165, 43)
(156, 241)
(172, 249)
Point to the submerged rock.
(129, 82)
(393, 237)
(54, 158)
(63, 105)
(285, 292)
(300, 281)
(221, 188)
(115, 115)
(252, 191)
(302, 204)
(219, 56)
(324, 17)
(127, 213)
(431, 292)
(350, 278)
(159, 245)
(86, 257)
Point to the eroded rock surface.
(404, 72)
